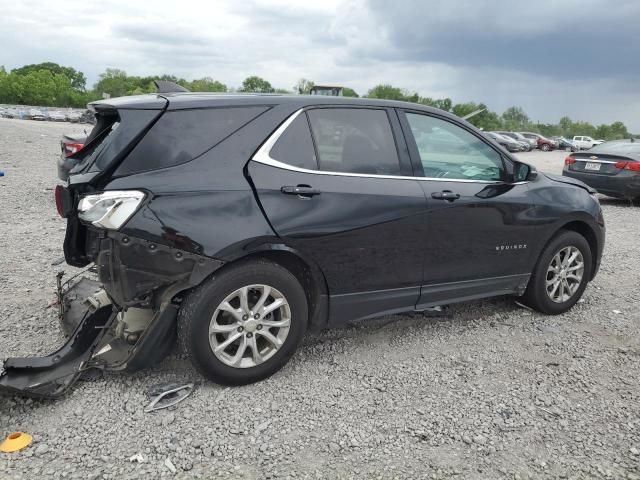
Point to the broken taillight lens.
(71, 148)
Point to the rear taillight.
(569, 160)
(632, 166)
(71, 148)
(58, 196)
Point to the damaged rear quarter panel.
(207, 205)
(139, 272)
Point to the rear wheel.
(561, 275)
(244, 324)
(545, 147)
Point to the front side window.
(448, 151)
(354, 140)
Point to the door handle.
(302, 190)
(447, 195)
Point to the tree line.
(50, 84)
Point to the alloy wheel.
(564, 274)
(249, 326)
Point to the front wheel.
(545, 147)
(244, 324)
(561, 275)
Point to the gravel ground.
(486, 390)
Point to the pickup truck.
(583, 142)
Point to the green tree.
(584, 128)
(617, 131)
(206, 84)
(76, 78)
(303, 86)
(349, 92)
(443, 104)
(566, 126)
(256, 84)
(387, 92)
(485, 120)
(114, 82)
(515, 119)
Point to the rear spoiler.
(139, 102)
(165, 86)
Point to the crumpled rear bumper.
(92, 343)
(86, 325)
(134, 275)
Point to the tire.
(545, 147)
(536, 295)
(199, 307)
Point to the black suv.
(238, 222)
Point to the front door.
(334, 187)
(478, 224)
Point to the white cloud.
(463, 50)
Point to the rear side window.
(114, 133)
(295, 146)
(182, 135)
(354, 140)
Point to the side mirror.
(523, 172)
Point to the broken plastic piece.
(167, 395)
(16, 441)
(138, 457)
(169, 464)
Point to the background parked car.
(532, 144)
(35, 114)
(57, 116)
(544, 143)
(583, 142)
(507, 142)
(612, 168)
(565, 144)
(74, 117)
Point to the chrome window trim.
(263, 155)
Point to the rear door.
(478, 226)
(335, 187)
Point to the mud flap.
(53, 375)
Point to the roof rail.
(166, 86)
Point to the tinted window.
(182, 135)
(449, 151)
(354, 140)
(295, 146)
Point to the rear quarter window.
(180, 136)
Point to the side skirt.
(456, 292)
(360, 306)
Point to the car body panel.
(366, 244)
(366, 234)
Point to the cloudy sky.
(552, 57)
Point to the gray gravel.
(487, 390)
